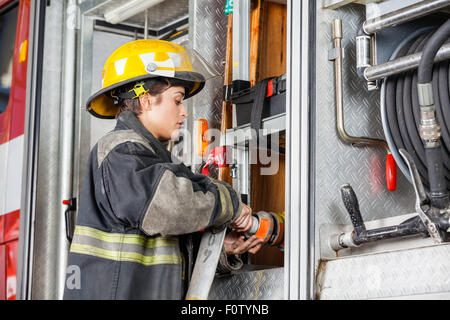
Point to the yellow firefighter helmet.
(137, 62)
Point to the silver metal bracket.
(421, 198)
(335, 53)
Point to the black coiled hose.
(403, 110)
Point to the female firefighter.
(138, 209)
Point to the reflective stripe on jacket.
(134, 206)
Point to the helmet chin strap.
(138, 89)
(144, 86)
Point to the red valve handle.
(391, 172)
(217, 157)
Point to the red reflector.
(269, 91)
(66, 202)
(391, 173)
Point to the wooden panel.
(272, 60)
(268, 59)
(226, 119)
(268, 190)
(267, 194)
(256, 23)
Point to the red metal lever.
(391, 172)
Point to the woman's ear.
(145, 101)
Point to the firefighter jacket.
(135, 206)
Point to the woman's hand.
(244, 222)
(235, 243)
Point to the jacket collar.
(129, 120)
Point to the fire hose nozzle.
(268, 226)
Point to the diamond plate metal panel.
(264, 284)
(421, 271)
(163, 14)
(159, 16)
(337, 163)
(207, 35)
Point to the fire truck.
(15, 19)
(356, 101)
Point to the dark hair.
(134, 105)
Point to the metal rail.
(355, 141)
(409, 13)
(403, 64)
(364, 48)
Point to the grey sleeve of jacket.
(164, 198)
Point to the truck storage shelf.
(241, 134)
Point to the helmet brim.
(102, 106)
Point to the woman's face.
(163, 116)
